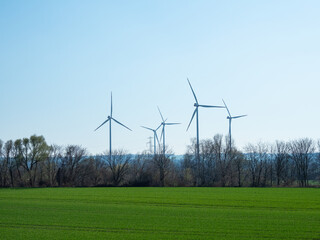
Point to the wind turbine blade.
(210, 106)
(161, 114)
(240, 116)
(147, 128)
(158, 127)
(192, 91)
(162, 132)
(226, 108)
(102, 124)
(157, 137)
(194, 112)
(111, 105)
(172, 123)
(121, 124)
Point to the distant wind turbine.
(163, 124)
(110, 118)
(197, 105)
(230, 119)
(155, 138)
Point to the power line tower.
(149, 143)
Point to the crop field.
(160, 213)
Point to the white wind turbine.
(230, 119)
(110, 118)
(196, 112)
(155, 138)
(163, 124)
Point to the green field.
(160, 213)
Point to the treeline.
(31, 162)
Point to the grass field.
(160, 213)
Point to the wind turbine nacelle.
(228, 117)
(196, 104)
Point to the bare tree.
(34, 150)
(271, 164)
(302, 153)
(2, 165)
(73, 156)
(218, 164)
(1, 146)
(188, 170)
(52, 162)
(190, 165)
(239, 163)
(281, 161)
(257, 156)
(86, 172)
(9, 159)
(254, 163)
(118, 165)
(31, 162)
(208, 162)
(99, 169)
(138, 169)
(220, 155)
(230, 154)
(162, 164)
(18, 159)
(317, 172)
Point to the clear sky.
(59, 61)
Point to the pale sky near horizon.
(59, 61)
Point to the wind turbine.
(110, 118)
(155, 137)
(196, 112)
(163, 124)
(230, 119)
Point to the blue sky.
(60, 60)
